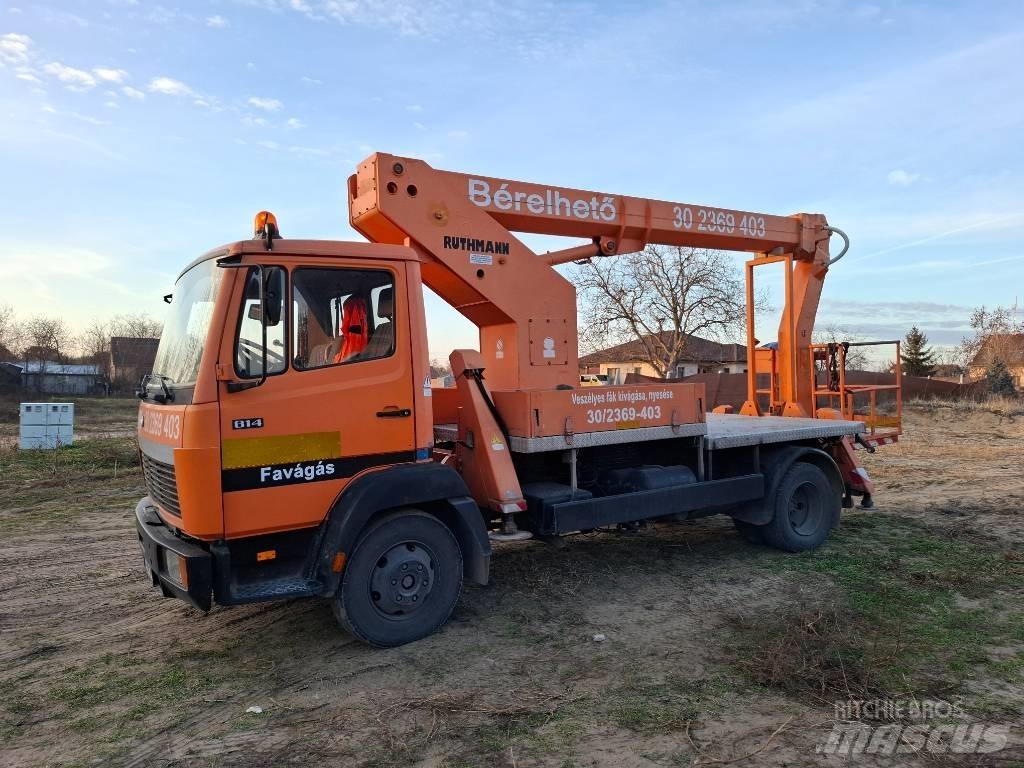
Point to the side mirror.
(273, 295)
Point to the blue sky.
(136, 135)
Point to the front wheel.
(806, 509)
(402, 581)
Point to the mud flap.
(855, 476)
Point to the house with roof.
(1008, 347)
(52, 378)
(699, 356)
(130, 359)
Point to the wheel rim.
(402, 580)
(805, 509)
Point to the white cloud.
(43, 268)
(419, 126)
(111, 104)
(867, 11)
(88, 119)
(133, 93)
(74, 78)
(110, 75)
(50, 110)
(250, 120)
(260, 102)
(458, 134)
(294, 122)
(268, 144)
(312, 80)
(901, 178)
(169, 87)
(217, 22)
(414, 108)
(27, 76)
(161, 15)
(409, 17)
(14, 48)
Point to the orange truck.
(292, 444)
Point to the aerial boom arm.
(623, 224)
(462, 225)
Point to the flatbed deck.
(720, 431)
(734, 431)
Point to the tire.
(806, 509)
(750, 533)
(402, 581)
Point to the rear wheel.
(806, 509)
(402, 581)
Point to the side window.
(342, 316)
(249, 344)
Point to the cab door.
(337, 398)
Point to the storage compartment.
(541, 498)
(644, 478)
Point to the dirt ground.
(714, 651)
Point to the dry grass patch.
(917, 614)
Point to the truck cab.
(282, 376)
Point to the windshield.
(184, 334)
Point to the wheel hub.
(402, 579)
(804, 508)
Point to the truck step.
(275, 589)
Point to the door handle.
(394, 413)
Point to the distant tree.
(998, 380)
(137, 326)
(660, 297)
(47, 338)
(439, 369)
(11, 332)
(94, 341)
(950, 360)
(856, 358)
(918, 358)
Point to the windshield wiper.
(167, 395)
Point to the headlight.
(176, 567)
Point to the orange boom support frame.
(293, 445)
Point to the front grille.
(161, 483)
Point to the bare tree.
(138, 326)
(10, 332)
(47, 338)
(997, 338)
(439, 368)
(94, 341)
(950, 359)
(856, 357)
(660, 297)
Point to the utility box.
(47, 425)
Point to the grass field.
(715, 651)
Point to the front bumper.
(180, 568)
